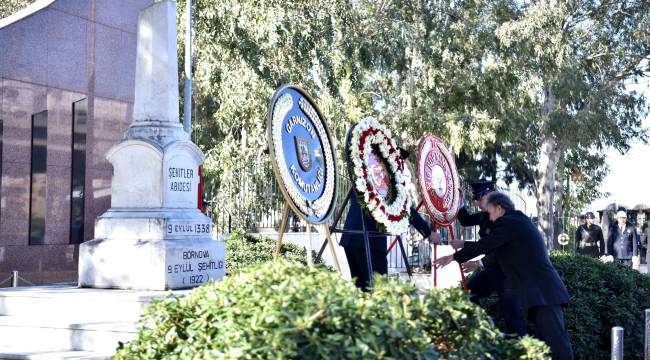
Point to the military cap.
(482, 187)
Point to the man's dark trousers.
(358, 269)
(549, 325)
(490, 280)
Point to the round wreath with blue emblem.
(302, 154)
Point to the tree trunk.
(547, 168)
(560, 210)
(545, 191)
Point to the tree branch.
(630, 68)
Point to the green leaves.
(244, 250)
(285, 310)
(497, 80)
(416, 66)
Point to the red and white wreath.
(367, 137)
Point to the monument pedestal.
(153, 237)
(150, 264)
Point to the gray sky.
(628, 180)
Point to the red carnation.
(394, 217)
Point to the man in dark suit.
(589, 237)
(521, 254)
(490, 278)
(622, 241)
(353, 244)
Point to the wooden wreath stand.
(435, 258)
(310, 262)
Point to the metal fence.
(251, 200)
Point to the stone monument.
(153, 237)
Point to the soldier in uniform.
(353, 243)
(622, 241)
(490, 278)
(589, 238)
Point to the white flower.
(383, 141)
(360, 184)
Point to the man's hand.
(434, 238)
(470, 266)
(444, 261)
(457, 244)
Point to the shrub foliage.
(243, 250)
(287, 310)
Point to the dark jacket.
(521, 253)
(377, 243)
(643, 236)
(622, 245)
(482, 220)
(589, 240)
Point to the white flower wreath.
(368, 134)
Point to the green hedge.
(287, 310)
(244, 250)
(603, 295)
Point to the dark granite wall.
(65, 52)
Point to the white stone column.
(156, 76)
(153, 237)
(155, 104)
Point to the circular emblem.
(438, 180)
(302, 154)
(378, 175)
(563, 239)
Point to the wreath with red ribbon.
(379, 175)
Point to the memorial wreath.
(438, 180)
(370, 138)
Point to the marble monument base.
(150, 264)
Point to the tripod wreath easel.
(328, 240)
